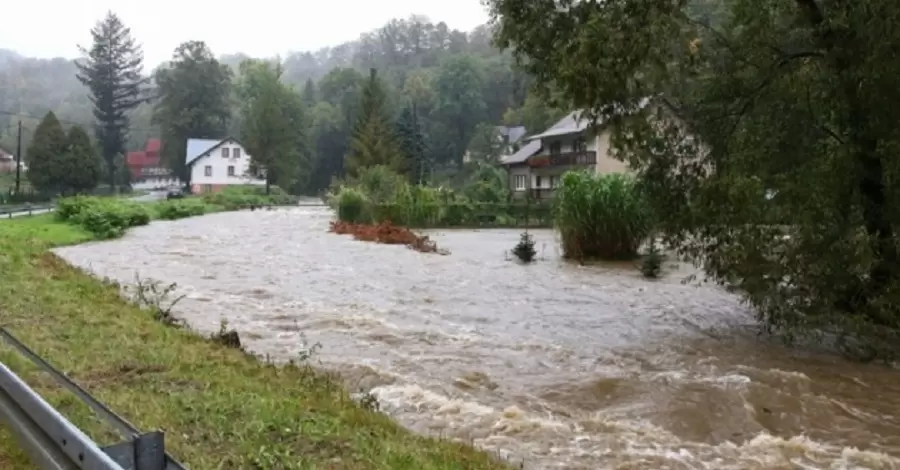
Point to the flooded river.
(553, 365)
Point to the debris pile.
(388, 234)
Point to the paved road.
(151, 197)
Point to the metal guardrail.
(54, 443)
(10, 212)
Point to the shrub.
(524, 250)
(237, 197)
(180, 209)
(601, 216)
(353, 206)
(105, 218)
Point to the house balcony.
(580, 158)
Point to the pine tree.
(373, 141)
(112, 71)
(309, 93)
(46, 153)
(81, 164)
(411, 143)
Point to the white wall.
(219, 166)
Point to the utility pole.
(19, 157)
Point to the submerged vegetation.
(603, 217)
(524, 250)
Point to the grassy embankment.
(220, 408)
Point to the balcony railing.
(564, 159)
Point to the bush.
(353, 206)
(182, 208)
(237, 197)
(603, 217)
(524, 250)
(105, 218)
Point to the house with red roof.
(147, 170)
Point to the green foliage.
(380, 195)
(524, 250)
(105, 218)
(113, 73)
(194, 92)
(182, 208)
(81, 167)
(796, 97)
(353, 206)
(239, 197)
(45, 154)
(412, 145)
(373, 142)
(603, 217)
(273, 125)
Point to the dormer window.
(224, 152)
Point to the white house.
(217, 163)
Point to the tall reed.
(604, 217)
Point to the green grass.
(220, 408)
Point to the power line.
(73, 123)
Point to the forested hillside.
(453, 80)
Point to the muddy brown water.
(553, 365)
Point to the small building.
(217, 163)
(147, 170)
(8, 162)
(572, 143)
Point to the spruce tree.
(45, 155)
(81, 164)
(373, 142)
(112, 72)
(411, 143)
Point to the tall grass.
(604, 217)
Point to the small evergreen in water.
(524, 250)
(652, 263)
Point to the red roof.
(153, 145)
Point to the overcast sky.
(53, 28)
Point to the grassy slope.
(220, 409)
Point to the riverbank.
(219, 407)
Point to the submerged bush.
(603, 217)
(237, 197)
(524, 250)
(181, 208)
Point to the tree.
(487, 144)
(193, 92)
(273, 125)
(309, 93)
(460, 106)
(769, 117)
(411, 144)
(373, 141)
(45, 155)
(112, 72)
(81, 167)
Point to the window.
(537, 182)
(224, 152)
(556, 148)
(230, 170)
(554, 182)
(519, 182)
(236, 153)
(207, 170)
(207, 188)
